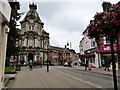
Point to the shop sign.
(107, 48)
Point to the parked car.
(67, 64)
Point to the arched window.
(30, 42)
(31, 27)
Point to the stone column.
(0, 52)
(25, 42)
(39, 43)
(19, 57)
(35, 42)
(3, 50)
(34, 57)
(25, 58)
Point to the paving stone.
(40, 78)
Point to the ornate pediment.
(32, 14)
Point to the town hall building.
(34, 40)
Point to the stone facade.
(4, 18)
(59, 55)
(34, 40)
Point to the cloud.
(59, 0)
(69, 16)
(60, 37)
(66, 21)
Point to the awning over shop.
(90, 50)
(88, 55)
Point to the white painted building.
(5, 11)
(81, 48)
(88, 50)
(87, 41)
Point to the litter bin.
(18, 68)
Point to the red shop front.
(105, 52)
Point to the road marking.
(80, 79)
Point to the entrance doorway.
(30, 56)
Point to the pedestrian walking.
(30, 63)
(22, 61)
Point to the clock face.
(31, 21)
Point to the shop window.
(90, 60)
(93, 60)
(92, 43)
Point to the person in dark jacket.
(86, 64)
(107, 65)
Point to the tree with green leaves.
(13, 34)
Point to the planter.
(14, 72)
(18, 68)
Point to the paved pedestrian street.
(40, 78)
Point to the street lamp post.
(41, 61)
(47, 61)
(113, 64)
(47, 58)
(69, 45)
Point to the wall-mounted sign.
(107, 48)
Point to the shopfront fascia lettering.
(107, 48)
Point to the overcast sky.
(65, 20)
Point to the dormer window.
(31, 27)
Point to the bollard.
(89, 67)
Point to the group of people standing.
(106, 64)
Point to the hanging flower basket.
(105, 24)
